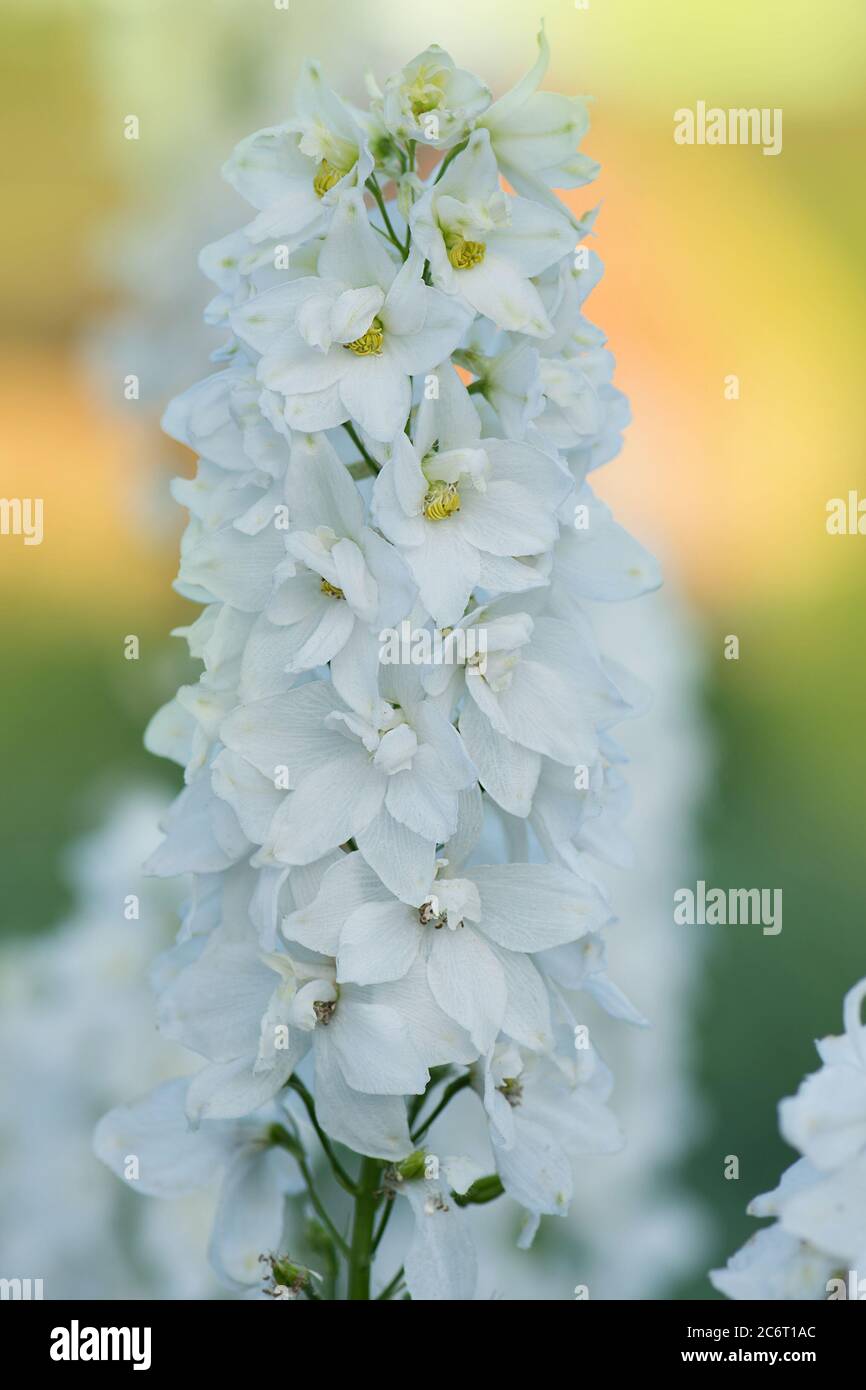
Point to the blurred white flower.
(816, 1247)
(76, 1031)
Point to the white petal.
(527, 1013)
(331, 805)
(215, 1005)
(436, 1035)
(249, 1217)
(446, 568)
(374, 1047)
(253, 798)
(404, 861)
(352, 252)
(831, 1213)
(379, 942)
(529, 907)
(227, 1090)
(826, 1120)
(508, 772)
(287, 730)
(348, 884)
(235, 568)
(534, 237)
(497, 289)
(775, 1266)
(468, 982)
(373, 1125)
(321, 490)
(535, 1171)
(172, 1158)
(376, 392)
(441, 1264)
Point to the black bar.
(248, 1336)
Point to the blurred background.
(719, 262)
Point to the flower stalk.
(357, 934)
(361, 1253)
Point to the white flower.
(826, 1120)
(295, 173)
(172, 1160)
(599, 560)
(543, 1112)
(239, 268)
(472, 929)
(507, 371)
(433, 101)
(775, 1266)
(535, 136)
(255, 1015)
(440, 1263)
(540, 691)
(391, 783)
(346, 343)
(484, 245)
(819, 1205)
(462, 509)
(344, 582)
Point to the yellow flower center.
(425, 93)
(325, 178)
(442, 500)
(463, 254)
(331, 590)
(370, 343)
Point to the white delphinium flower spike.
(408, 405)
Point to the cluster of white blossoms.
(408, 405)
(76, 1034)
(816, 1246)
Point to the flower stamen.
(463, 254)
(370, 343)
(325, 178)
(441, 500)
(324, 1010)
(331, 590)
(512, 1090)
(429, 915)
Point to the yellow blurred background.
(719, 260)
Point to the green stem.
(416, 1104)
(448, 1095)
(410, 150)
(383, 1222)
(376, 191)
(361, 1252)
(383, 233)
(391, 1288)
(320, 1210)
(356, 440)
(309, 1105)
(452, 154)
